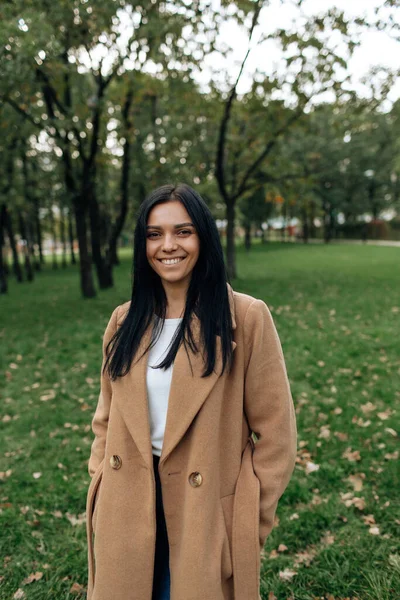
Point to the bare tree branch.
(220, 164)
(266, 151)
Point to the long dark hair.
(207, 294)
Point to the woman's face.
(170, 236)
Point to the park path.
(359, 242)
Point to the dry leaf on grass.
(351, 455)
(287, 574)
(32, 577)
(374, 530)
(311, 467)
(368, 407)
(368, 519)
(76, 588)
(327, 539)
(392, 456)
(79, 520)
(305, 557)
(356, 481)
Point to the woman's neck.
(176, 300)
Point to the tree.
(310, 68)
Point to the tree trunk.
(112, 255)
(305, 231)
(284, 216)
(3, 276)
(328, 220)
(26, 228)
(247, 236)
(85, 262)
(38, 229)
(332, 222)
(71, 236)
(54, 238)
(31, 245)
(230, 239)
(63, 237)
(80, 210)
(104, 274)
(312, 220)
(263, 238)
(24, 240)
(9, 228)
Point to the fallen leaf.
(305, 557)
(32, 577)
(385, 414)
(356, 481)
(343, 437)
(327, 539)
(50, 395)
(368, 407)
(391, 431)
(79, 520)
(287, 574)
(368, 519)
(76, 588)
(351, 456)
(311, 467)
(393, 456)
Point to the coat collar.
(188, 391)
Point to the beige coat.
(220, 489)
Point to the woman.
(182, 498)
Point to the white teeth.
(171, 261)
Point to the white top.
(158, 384)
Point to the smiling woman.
(172, 250)
(191, 371)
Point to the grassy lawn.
(337, 310)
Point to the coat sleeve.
(100, 419)
(269, 410)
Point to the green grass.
(337, 310)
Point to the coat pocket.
(93, 495)
(227, 510)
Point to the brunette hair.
(207, 294)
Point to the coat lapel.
(188, 392)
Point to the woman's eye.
(154, 233)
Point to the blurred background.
(285, 116)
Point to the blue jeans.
(161, 578)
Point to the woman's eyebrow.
(175, 226)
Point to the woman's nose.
(169, 242)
